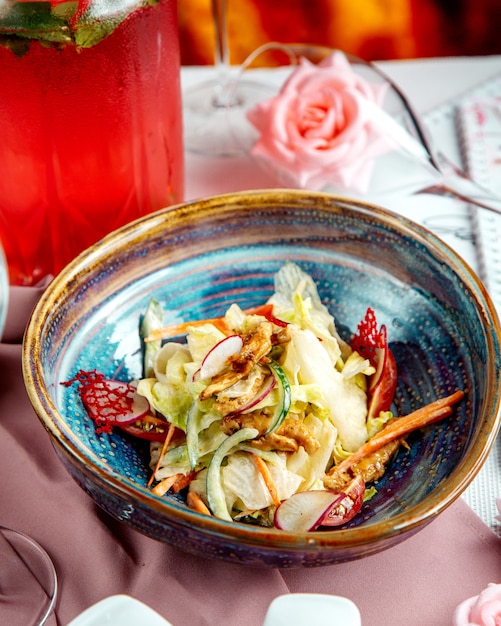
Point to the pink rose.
(324, 127)
(481, 610)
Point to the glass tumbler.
(90, 124)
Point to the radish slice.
(305, 511)
(264, 390)
(140, 408)
(344, 511)
(216, 359)
(114, 401)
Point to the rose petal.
(462, 613)
(324, 127)
(481, 610)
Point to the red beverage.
(90, 125)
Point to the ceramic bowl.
(197, 259)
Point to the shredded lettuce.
(243, 484)
(347, 403)
(169, 364)
(172, 401)
(311, 468)
(296, 300)
(328, 396)
(375, 424)
(201, 339)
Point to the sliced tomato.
(149, 427)
(372, 343)
(381, 393)
(346, 509)
(266, 310)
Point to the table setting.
(112, 550)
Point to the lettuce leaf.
(172, 401)
(243, 483)
(312, 467)
(346, 401)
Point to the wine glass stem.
(221, 55)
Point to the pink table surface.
(418, 582)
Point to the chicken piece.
(370, 467)
(256, 345)
(257, 419)
(227, 403)
(276, 442)
(288, 437)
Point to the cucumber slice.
(284, 396)
(152, 320)
(215, 492)
(192, 432)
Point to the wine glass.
(207, 107)
(4, 289)
(28, 580)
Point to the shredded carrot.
(176, 482)
(402, 426)
(195, 502)
(268, 480)
(164, 485)
(176, 330)
(183, 481)
(168, 439)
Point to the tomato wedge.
(372, 343)
(148, 427)
(345, 510)
(382, 391)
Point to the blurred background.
(371, 29)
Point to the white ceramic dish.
(119, 610)
(314, 609)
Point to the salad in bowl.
(266, 415)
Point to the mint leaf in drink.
(79, 23)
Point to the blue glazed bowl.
(198, 258)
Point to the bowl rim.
(405, 522)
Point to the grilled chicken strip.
(370, 467)
(256, 345)
(288, 437)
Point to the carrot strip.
(181, 329)
(195, 502)
(402, 426)
(168, 439)
(268, 480)
(164, 485)
(183, 481)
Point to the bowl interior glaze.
(197, 259)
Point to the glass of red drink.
(90, 124)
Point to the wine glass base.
(215, 119)
(28, 580)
